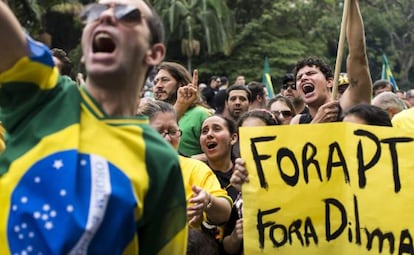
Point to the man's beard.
(171, 99)
(235, 116)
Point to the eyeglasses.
(287, 85)
(285, 114)
(128, 15)
(174, 133)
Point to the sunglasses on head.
(285, 114)
(126, 14)
(286, 86)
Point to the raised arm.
(13, 43)
(187, 96)
(360, 88)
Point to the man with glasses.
(81, 174)
(289, 90)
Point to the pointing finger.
(195, 78)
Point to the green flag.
(387, 74)
(267, 79)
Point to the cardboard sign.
(334, 188)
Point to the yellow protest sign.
(334, 188)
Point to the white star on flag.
(58, 164)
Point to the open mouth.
(159, 94)
(308, 88)
(211, 145)
(102, 42)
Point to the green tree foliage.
(29, 13)
(283, 31)
(233, 36)
(390, 30)
(198, 25)
(287, 31)
(53, 22)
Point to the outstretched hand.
(198, 203)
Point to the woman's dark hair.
(231, 125)
(372, 114)
(284, 100)
(265, 115)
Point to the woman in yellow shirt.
(206, 200)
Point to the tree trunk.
(189, 64)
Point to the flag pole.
(340, 52)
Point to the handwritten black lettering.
(286, 153)
(258, 158)
(334, 148)
(393, 151)
(362, 168)
(406, 247)
(261, 226)
(328, 231)
(307, 161)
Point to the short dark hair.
(256, 88)
(372, 114)
(378, 84)
(288, 77)
(314, 61)
(156, 26)
(201, 243)
(239, 87)
(224, 79)
(212, 78)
